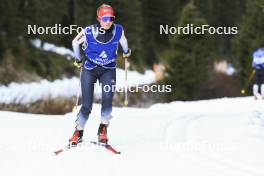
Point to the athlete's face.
(106, 22)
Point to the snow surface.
(53, 48)
(31, 92)
(221, 137)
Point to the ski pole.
(126, 97)
(243, 91)
(78, 93)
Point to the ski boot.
(76, 137)
(102, 133)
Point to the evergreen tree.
(68, 19)
(222, 13)
(250, 36)
(28, 14)
(188, 66)
(129, 14)
(156, 13)
(85, 12)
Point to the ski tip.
(58, 152)
(107, 146)
(115, 152)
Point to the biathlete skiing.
(258, 66)
(99, 44)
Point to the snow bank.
(30, 92)
(52, 48)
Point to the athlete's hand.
(127, 54)
(77, 63)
